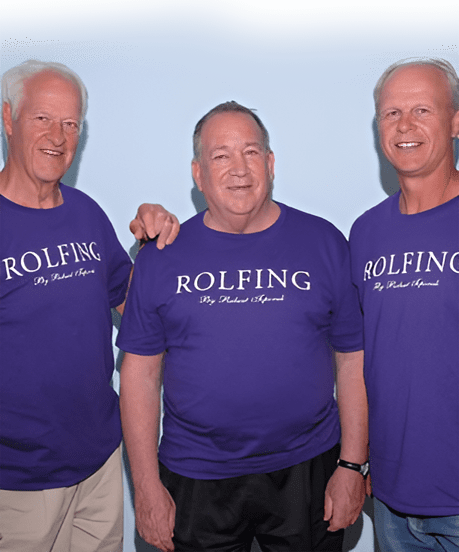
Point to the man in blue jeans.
(405, 262)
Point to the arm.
(153, 220)
(140, 401)
(345, 493)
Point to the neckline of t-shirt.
(423, 214)
(20, 207)
(252, 235)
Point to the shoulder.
(312, 224)
(374, 216)
(193, 223)
(77, 197)
(192, 232)
(80, 201)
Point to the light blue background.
(153, 69)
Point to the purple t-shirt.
(61, 270)
(248, 322)
(407, 271)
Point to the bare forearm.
(353, 407)
(140, 398)
(345, 491)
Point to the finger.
(328, 507)
(136, 228)
(170, 545)
(168, 232)
(333, 526)
(166, 543)
(153, 222)
(337, 522)
(174, 230)
(166, 228)
(172, 519)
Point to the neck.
(29, 193)
(422, 194)
(256, 221)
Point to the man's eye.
(72, 126)
(251, 152)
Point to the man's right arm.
(140, 402)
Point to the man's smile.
(51, 152)
(404, 145)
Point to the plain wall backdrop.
(153, 69)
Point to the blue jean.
(398, 532)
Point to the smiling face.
(417, 121)
(234, 172)
(42, 140)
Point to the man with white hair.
(405, 262)
(61, 270)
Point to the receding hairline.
(237, 113)
(224, 108)
(55, 75)
(12, 83)
(442, 66)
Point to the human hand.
(155, 517)
(344, 498)
(368, 488)
(153, 220)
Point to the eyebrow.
(430, 105)
(246, 145)
(48, 113)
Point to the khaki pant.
(87, 517)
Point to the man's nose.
(238, 165)
(56, 133)
(406, 122)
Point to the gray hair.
(13, 83)
(227, 107)
(445, 67)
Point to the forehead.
(223, 128)
(416, 83)
(50, 89)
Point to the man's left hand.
(344, 498)
(153, 220)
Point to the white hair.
(13, 83)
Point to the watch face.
(364, 469)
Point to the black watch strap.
(363, 469)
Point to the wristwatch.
(363, 469)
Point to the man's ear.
(196, 172)
(7, 118)
(271, 161)
(455, 125)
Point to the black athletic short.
(282, 510)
